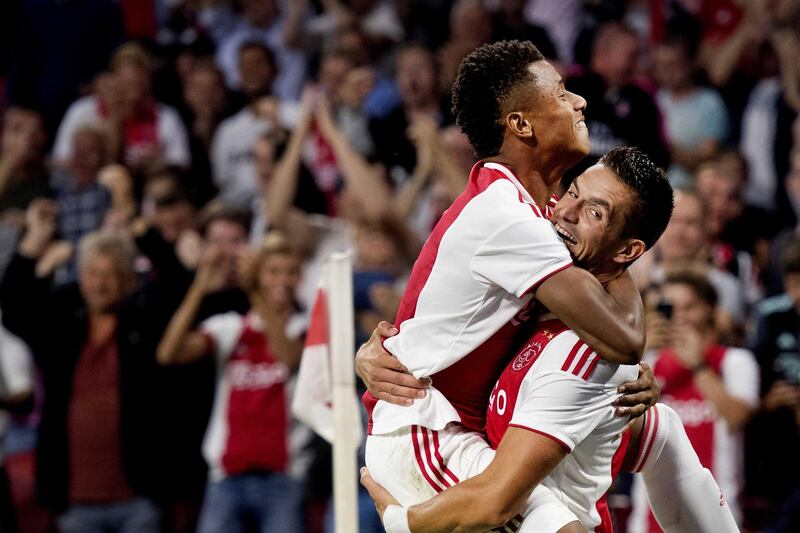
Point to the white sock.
(683, 494)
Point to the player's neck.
(607, 273)
(537, 176)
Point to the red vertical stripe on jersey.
(582, 361)
(571, 356)
(590, 369)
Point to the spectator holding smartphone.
(713, 388)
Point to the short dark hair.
(697, 280)
(791, 258)
(485, 79)
(218, 211)
(653, 197)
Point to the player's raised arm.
(610, 320)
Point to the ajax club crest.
(527, 356)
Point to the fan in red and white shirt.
(247, 443)
(713, 388)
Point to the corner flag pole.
(338, 272)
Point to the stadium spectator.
(97, 462)
(713, 387)
(231, 147)
(443, 161)
(247, 441)
(695, 118)
(23, 174)
(142, 130)
(204, 106)
(169, 205)
(82, 200)
(364, 197)
(683, 242)
(774, 433)
(618, 112)
(261, 22)
(416, 76)
(721, 191)
(774, 274)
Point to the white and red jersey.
(250, 423)
(559, 387)
(718, 447)
(466, 297)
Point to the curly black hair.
(485, 79)
(653, 198)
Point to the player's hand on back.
(638, 396)
(384, 376)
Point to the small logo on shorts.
(527, 356)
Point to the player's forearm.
(464, 508)
(612, 322)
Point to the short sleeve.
(560, 406)
(740, 374)
(520, 255)
(224, 330)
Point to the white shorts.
(414, 463)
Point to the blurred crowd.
(173, 173)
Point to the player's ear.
(519, 125)
(630, 251)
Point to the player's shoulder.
(495, 183)
(555, 349)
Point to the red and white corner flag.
(325, 393)
(313, 400)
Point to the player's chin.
(582, 144)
